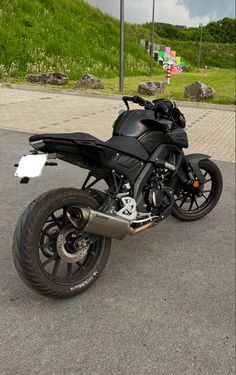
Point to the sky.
(177, 12)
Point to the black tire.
(29, 246)
(190, 195)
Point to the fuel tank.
(150, 132)
(132, 123)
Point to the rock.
(152, 88)
(199, 91)
(57, 79)
(88, 81)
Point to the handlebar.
(158, 105)
(138, 100)
(162, 108)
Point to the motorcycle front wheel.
(193, 202)
(50, 255)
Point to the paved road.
(211, 131)
(163, 306)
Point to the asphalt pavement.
(164, 304)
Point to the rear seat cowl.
(126, 145)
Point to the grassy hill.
(65, 35)
(70, 36)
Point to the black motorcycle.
(63, 239)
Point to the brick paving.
(210, 131)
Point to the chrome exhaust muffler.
(95, 222)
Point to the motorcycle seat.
(127, 145)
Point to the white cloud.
(165, 11)
(179, 12)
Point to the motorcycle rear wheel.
(36, 254)
(192, 204)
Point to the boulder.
(199, 91)
(57, 79)
(152, 88)
(89, 81)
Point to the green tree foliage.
(222, 31)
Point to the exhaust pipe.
(95, 222)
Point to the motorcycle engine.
(156, 195)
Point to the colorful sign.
(168, 59)
(165, 56)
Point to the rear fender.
(193, 161)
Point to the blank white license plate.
(31, 165)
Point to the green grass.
(222, 81)
(70, 36)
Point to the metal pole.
(152, 37)
(200, 46)
(121, 85)
(168, 74)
